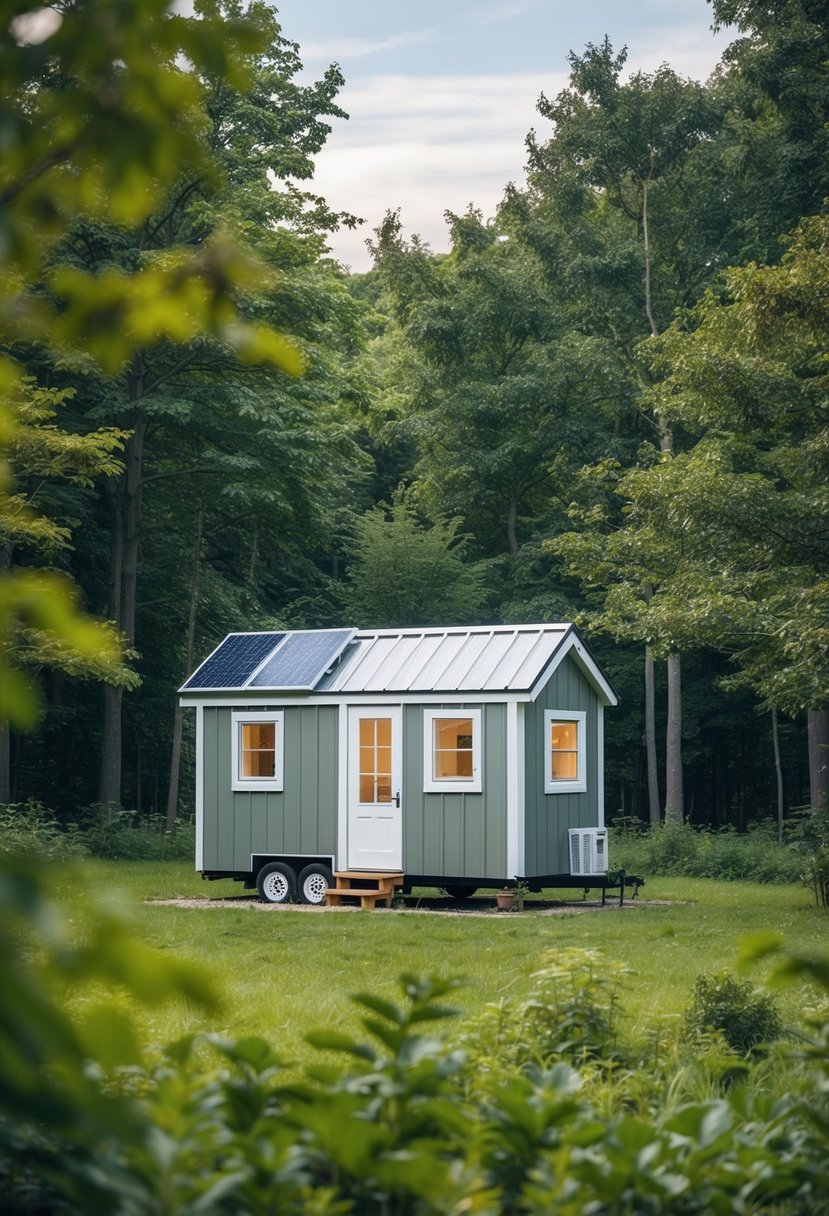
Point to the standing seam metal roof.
(481, 659)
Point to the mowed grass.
(279, 972)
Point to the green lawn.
(281, 972)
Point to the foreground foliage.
(91, 1121)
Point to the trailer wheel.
(460, 893)
(276, 883)
(313, 882)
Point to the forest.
(606, 404)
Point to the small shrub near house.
(747, 1019)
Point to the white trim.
(277, 717)
(579, 785)
(200, 760)
(269, 697)
(451, 785)
(585, 661)
(515, 791)
(521, 767)
(600, 762)
(342, 789)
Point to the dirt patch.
(473, 907)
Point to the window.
(452, 751)
(258, 749)
(564, 751)
(375, 760)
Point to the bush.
(747, 1019)
(125, 836)
(32, 830)
(29, 829)
(684, 851)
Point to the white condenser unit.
(588, 851)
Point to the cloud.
(344, 49)
(426, 144)
(490, 13)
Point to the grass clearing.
(281, 972)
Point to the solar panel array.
(302, 659)
(234, 661)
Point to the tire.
(312, 884)
(460, 893)
(276, 883)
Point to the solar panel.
(233, 662)
(302, 659)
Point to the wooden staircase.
(354, 884)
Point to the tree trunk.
(124, 494)
(5, 764)
(512, 517)
(5, 734)
(818, 728)
(175, 756)
(650, 740)
(778, 768)
(674, 798)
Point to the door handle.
(397, 799)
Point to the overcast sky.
(442, 94)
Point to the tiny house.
(460, 757)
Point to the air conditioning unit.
(588, 851)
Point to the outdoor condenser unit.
(588, 851)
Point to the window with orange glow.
(258, 748)
(375, 760)
(565, 752)
(452, 751)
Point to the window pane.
(565, 736)
(564, 751)
(452, 754)
(258, 752)
(384, 760)
(453, 732)
(383, 788)
(565, 766)
(258, 735)
(366, 732)
(367, 787)
(383, 731)
(366, 759)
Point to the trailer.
(462, 758)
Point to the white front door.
(375, 824)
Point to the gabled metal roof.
(500, 658)
(457, 661)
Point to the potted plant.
(505, 899)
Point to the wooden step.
(369, 898)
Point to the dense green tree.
(275, 446)
(405, 571)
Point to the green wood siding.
(301, 818)
(456, 835)
(548, 816)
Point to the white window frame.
(579, 785)
(257, 783)
(451, 785)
